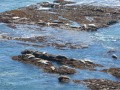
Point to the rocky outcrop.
(64, 79)
(81, 64)
(93, 84)
(45, 61)
(46, 65)
(113, 71)
(87, 17)
(99, 84)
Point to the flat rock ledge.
(47, 61)
(64, 16)
(47, 42)
(99, 84)
(113, 71)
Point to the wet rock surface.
(45, 61)
(64, 79)
(46, 65)
(100, 84)
(113, 71)
(64, 16)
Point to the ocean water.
(19, 76)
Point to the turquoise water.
(19, 76)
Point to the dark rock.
(111, 51)
(114, 56)
(46, 62)
(99, 84)
(112, 22)
(47, 4)
(113, 71)
(59, 70)
(27, 52)
(62, 60)
(64, 79)
(41, 55)
(27, 56)
(39, 59)
(61, 57)
(41, 23)
(66, 70)
(63, 2)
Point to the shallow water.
(19, 76)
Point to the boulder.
(64, 79)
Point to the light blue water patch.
(76, 37)
(109, 37)
(23, 31)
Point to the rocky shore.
(100, 84)
(45, 61)
(113, 71)
(63, 15)
(70, 16)
(67, 66)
